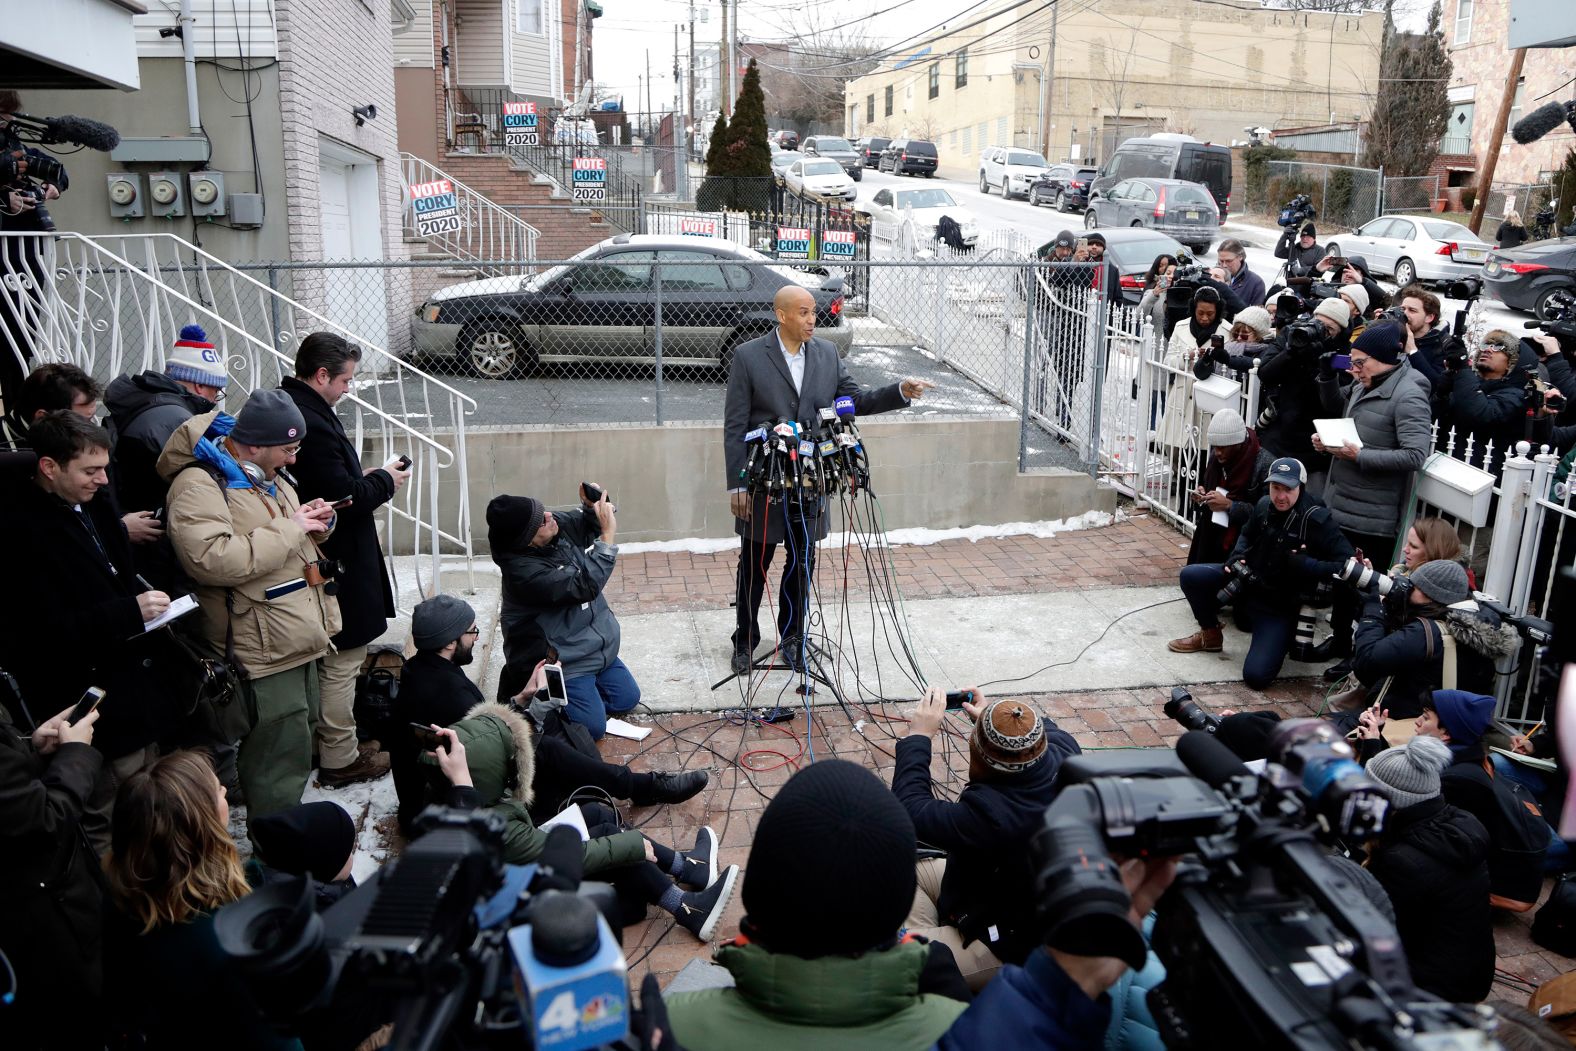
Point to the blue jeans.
(1272, 629)
(1558, 858)
(592, 698)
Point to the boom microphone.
(1543, 120)
(80, 131)
(1209, 760)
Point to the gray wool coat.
(1393, 420)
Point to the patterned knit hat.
(1008, 738)
(195, 360)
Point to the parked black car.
(870, 149)
(1527, 277)
(909, 157)
(1064, 186)
(600, 308)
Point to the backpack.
(377, 688)
(1554, 927)
(1518, 841)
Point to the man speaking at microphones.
(789, 375)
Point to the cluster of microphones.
(791, 464)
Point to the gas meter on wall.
(167, 193)
(207, 192)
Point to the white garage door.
(348, 199)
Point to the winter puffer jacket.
(1393, 422)
(238, 538)
(144, 410)
(780, 1002)
(502, 762)
(988, 889)
(1291, 550)
(1433, 862)
(1480, 640)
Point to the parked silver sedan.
(1416, 248)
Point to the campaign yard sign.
(793, 242)
(437, 208)
(837, 244)
(519, 124)
(698, 227)
(590, 179)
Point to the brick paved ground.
(1136, 552)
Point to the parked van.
(1166, 155)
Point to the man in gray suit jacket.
(790, 374)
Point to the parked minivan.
(1166, 155)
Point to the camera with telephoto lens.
(1391, 315)
(1297, 211)
(1264, 940)
(1187, 713)
(460, 949)
(1238, 574)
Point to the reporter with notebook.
(77, 609)
(1387, 403)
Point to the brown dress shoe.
(1204, 640)
(365, 768)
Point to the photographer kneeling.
(1425, 632)
(1289, 542)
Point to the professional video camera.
(26, 171)
(1561, 323)
(1186, 279)
(1264, 943)
(467, 951)
(1297, 211)
(1307, 334)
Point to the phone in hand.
(1338, 264)
(427, 738)
(1341, 362)
(340, 505)
(404, 462)
(592, 494)
(1218, 342)
(557, 690)
(90, 700)
(955, 699)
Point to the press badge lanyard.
(87, 523)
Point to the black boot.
(667, 788)
(1332, 648)
(700, 862)
(700, 911)
(1337, 672)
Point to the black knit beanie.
(831, 871)
(512, 521)
(309, 838)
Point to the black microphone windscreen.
(90, 133)
(1209, 760)
(565, 857)
(1538, 123)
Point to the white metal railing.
(113, 305)
(487, 232)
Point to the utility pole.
(680, 136)
(725, 57)
(693, 118)
(1497, 136)
(733, 52)
(648, 94)
(1047, 91)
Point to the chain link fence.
(1344, 196)
(1523, 198)
(1411, 193)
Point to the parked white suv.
(1010, 170)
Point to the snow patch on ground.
(897, 537)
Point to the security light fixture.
(364, 114)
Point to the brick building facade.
(1475, 33)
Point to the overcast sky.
(633, 30)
